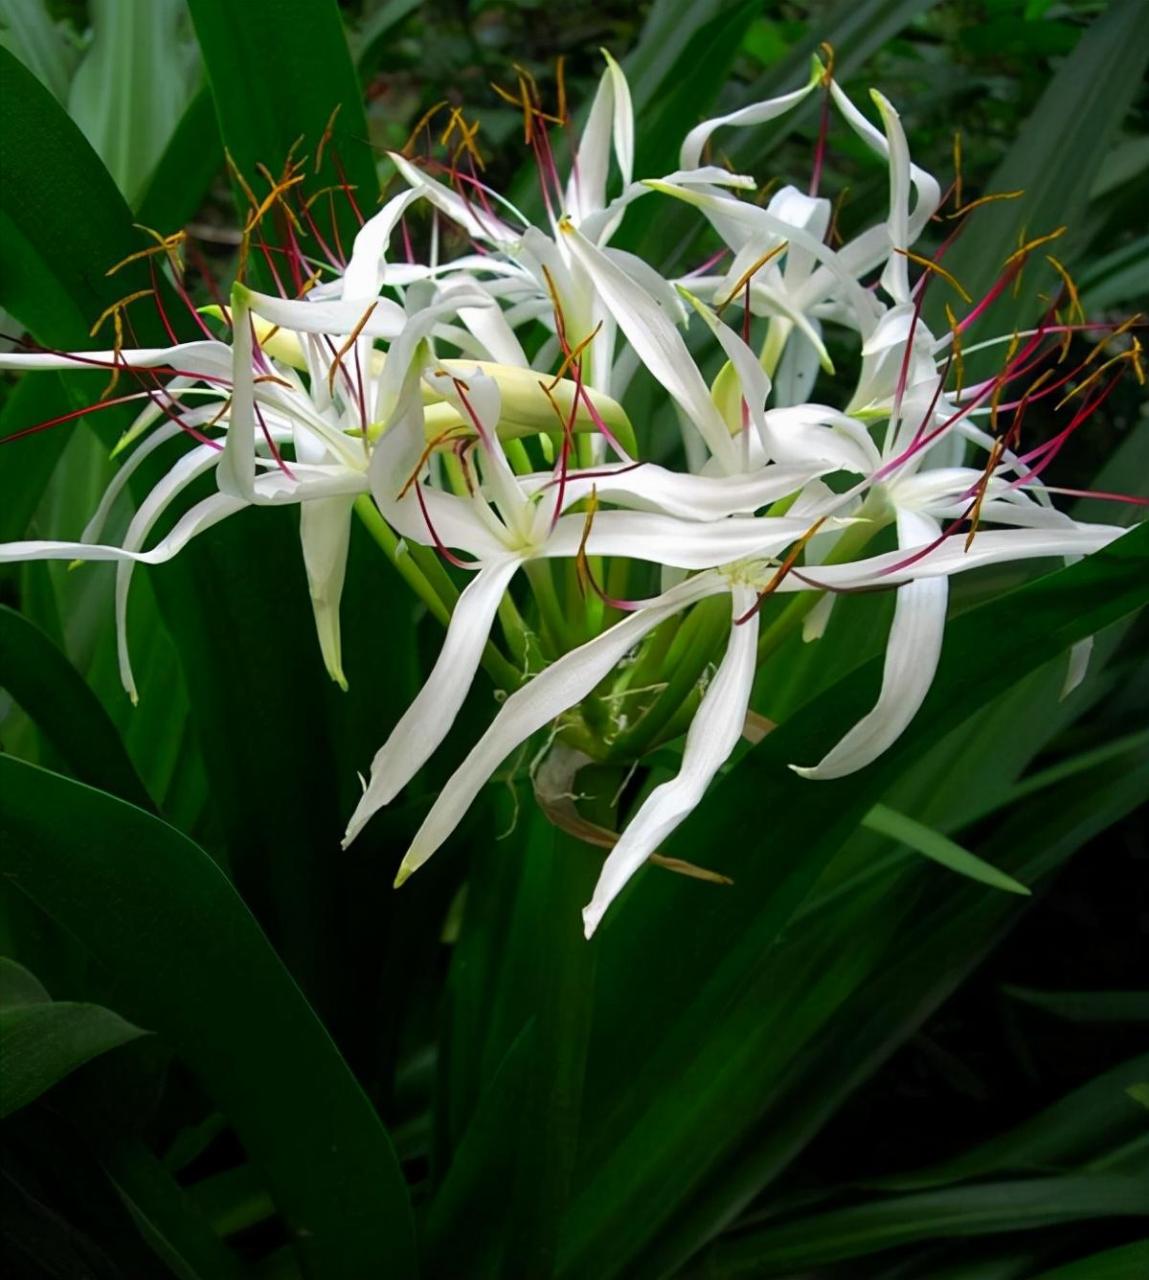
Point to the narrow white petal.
(451, 519)
(611, 119)
(690, 497)
(428, 719)
(363, 277)
(659, 344)
(912, 654)
(681, 544)
(325, 533)
(334, 317)
(815, 622)
(928, 191)
(950, 557)
(469, 214)
(189, 468)
(725, 213)
(895, 277)
(205, 359)
(712, 736)
(95, 526)
(529, 709)
(695, 141)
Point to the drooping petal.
(912, 654)
(553, 691)
(186, 470)
(428, 719)
(200, 517)
(95, 526)
(713, 734)
(325, 533)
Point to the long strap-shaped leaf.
(64, 708)
(960, 1211)
(192, 964)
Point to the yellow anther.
(748, 275)
(936, 269)
(962, 210)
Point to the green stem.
(419, 567)
(690, 651)
(550, 609)
(399, 553)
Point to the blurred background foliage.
(853, 1064)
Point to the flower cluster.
(470, 408)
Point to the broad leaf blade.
(42, 1043)
(192, 964)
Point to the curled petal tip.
(805, 771)
(403, 874)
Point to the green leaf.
(932, 844)
(192, 964)
(29, 462)
(1055, 159)
(1122, 1263)
(776, 833)
(930, 948)
(817, 1240)
(369, 39)
(278, 69)
(65, 709)
(53, 257)
(1087, 1006)
(184, 172)
(41, 1043)
(18, 986)
(531, 1050)
(138, 74)
(1091, 1119)
(43, 46)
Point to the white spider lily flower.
(714, 733)
(505, 522)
